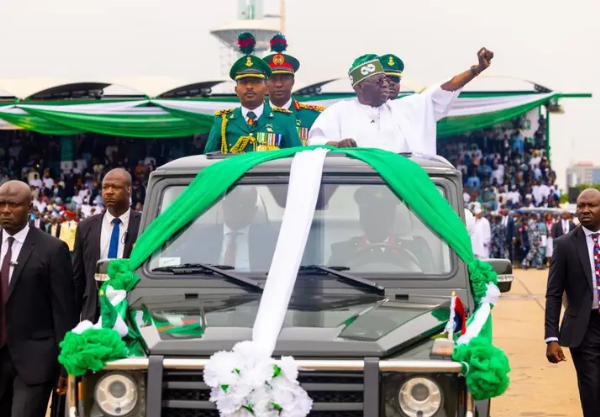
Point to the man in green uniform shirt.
(255, 126)
(393, 67)
(281, 82)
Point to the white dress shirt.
(404, 125)
(257, 111)
(106, 233)
(242, 247)
(565, 226)
(16, 248)
(590, 246)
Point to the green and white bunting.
(187, 117)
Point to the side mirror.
(101, 274)
(503, 268)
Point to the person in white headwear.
(482, 235)
(470, 222)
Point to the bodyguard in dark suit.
(575, 271)
(38, 306)
(37, 221)
(562, 227)
(107, 235)
(511, 238)
(54, 228)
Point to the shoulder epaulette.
(280, 110)
(311, 107)
(222, 112)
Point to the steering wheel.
(395, 254)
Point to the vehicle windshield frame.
(266, 178)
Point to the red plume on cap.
(246, 43)
(279, 43)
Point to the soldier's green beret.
(279, 62)
(392, 65)
(249, 65)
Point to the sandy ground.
(538, 388)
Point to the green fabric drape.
(486, 366)
(130, 125)
(180, 122)
(451, 126)
(38, 124)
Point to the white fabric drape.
(303, 191)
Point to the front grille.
(334, 394)
(179, 412)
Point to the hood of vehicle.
(324, 326)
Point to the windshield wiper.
(353, 280)
(219, 270)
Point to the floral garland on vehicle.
(485, 367)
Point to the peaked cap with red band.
(279, 62)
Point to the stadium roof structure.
(166, 107)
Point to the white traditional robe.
(403, 125)
(481, 238)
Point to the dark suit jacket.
(86, 256)
(41, 306)
(570, 272)
(209, 244)
(49, 229)
(510, 231)
(557, 229)
(43, 225)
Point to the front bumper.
(339, 388)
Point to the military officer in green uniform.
(255, 126)
(280, 84)
(393, 67)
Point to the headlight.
(420, 397)
(116, 394)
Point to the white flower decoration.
(247, 382)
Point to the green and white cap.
(365, 67)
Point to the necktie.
(251, 118)
(113, 249)
(595, 237)
(4, 276)
(229, 258)
(565, 227)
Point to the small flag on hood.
(458, 317)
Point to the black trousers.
(586, 359)
(17, 399)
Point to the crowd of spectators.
(58, 191)
(503, 169)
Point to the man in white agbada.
(482, 235)
(372, 120)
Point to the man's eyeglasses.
(379, 81)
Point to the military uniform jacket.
(274, 129)
(306, 114)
